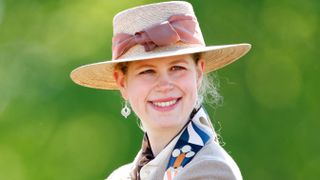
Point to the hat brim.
(100, 75)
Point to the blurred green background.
(51, 128)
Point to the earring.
(125, 111)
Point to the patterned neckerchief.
(189, 143)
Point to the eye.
(148, 71)
(177, 68)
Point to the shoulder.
(211, 162)
(123, 172)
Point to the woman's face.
(162, 92)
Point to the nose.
(164, 83)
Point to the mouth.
(165, 104)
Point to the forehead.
(164, 61)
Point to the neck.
(159, 139)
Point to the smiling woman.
(159, 63)
(162, 92)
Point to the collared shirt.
(160, 162)
(148, 170)
(211, 162)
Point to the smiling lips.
(165, 104)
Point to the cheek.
(193, 92)
(189, 81)
(188, 84)
(137, 94)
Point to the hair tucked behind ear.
(123, 67)
(208, 92)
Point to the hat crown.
(139, 18)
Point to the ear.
(120, 79)
(200, 71)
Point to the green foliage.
(51, 128)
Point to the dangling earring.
(125, 111)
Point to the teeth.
(165, 104)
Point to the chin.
(169, 124)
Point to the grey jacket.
(211, 162)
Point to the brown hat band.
(178, 28)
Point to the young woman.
(159, 63)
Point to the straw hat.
(155, 31)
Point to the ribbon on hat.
(181, 27)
